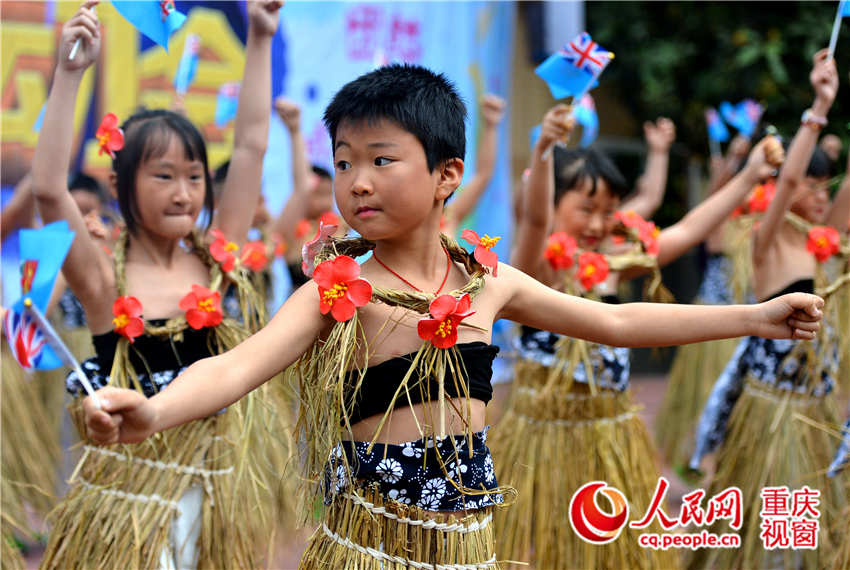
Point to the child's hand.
(263, 16)
(94, 225)
(557, 125)
(660, 134)
(824, 78)
(739, 147)
(127, 417)
(765, 158)
(289, 112)
(794, 316)
(84, 26)
(492, 109)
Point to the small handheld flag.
(188, 65)
(154, 18)
(842, 12)
(226, 103)
(573, 70)
(585, 115)
(744, 116)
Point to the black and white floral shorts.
(411, 473)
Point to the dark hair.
(220, 174)
(573, 167)
(322, 172)
(421, 102)
(84, 183)
(147, 134)
(820, 166)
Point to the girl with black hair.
(189, 498)
(571, 419)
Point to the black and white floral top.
(715, 288)
(73, 315)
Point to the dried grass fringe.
(367, 531)
(555, 437)
(695, 369)
(768, 445)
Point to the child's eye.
(342, 165)
(163, 176)
(382, 161)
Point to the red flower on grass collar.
(761, 197)
(629, 218)
(592, 269)
(202, 306)
(302, 228)
(127, 323)
(341, 290)
(222, 251)
(483, 247)
(254, 256)
(560, 250)
(109, 137)
(447, 313)
(648, 233)
(329, 218)
(823, 242)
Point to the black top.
(380, 382)
(156, 354)
(798, 286)
(296, 275)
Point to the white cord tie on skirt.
(185, 469)
(426, 524)
(131, 496)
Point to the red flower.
(823, 242)
(254, 255)
(648, 233)
(630, 218)
(109, 137)
(202, 306)
(737, 212)
(311, 249)
(221, 250)
(761, 197)
(560, 250)
(302, 228)
(127, 323)
(483, 247)
(447, 313)
(329, 218)
(340, 289)
(592, 269)
(279, 245)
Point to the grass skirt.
(367, 531)
(770, 443)
(548, 445)
(692, 375)
(123, 499)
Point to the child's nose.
(361, 186)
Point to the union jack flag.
(586, 54)
(26, 340)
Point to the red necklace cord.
(445, 278)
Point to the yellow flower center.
(822, 242)
(488, 242)
(230, 246)
(589, 270)
(120, 321)
(103, 139)
(445, 328)
(334, 293)
(556, 249)
(656, 232)
(206, 305)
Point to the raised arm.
(824, 80)
(296, 206)
(654, 324)
(213, 383)
(650, 190)
(492, 111)
(699, 222)
(53, 154)
(536, 206)
(251, 131)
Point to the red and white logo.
(592, 524)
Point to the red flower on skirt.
(447, 313)
(127, 323)
(823, 242)
(254, 256)
(341, 290)
(202, 306)
(222, 251)
(592, 269)
(560, 250)
(483, 246)
(109, 137)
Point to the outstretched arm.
(537, 203)
(492, 111)
(824, 80)
(699, 222)
(650, 190)
(654, 324)
(251, 132)
(213, 383)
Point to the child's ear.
(113, 185)
(451, 175)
